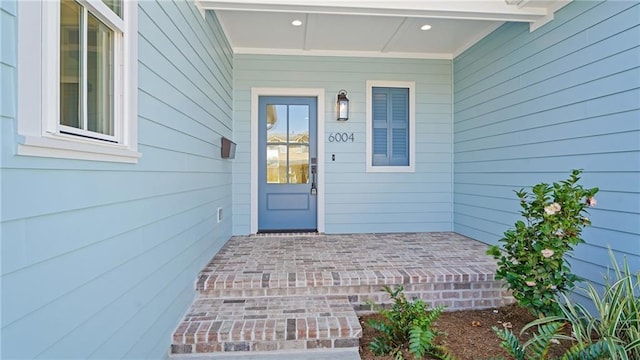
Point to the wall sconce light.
(343, 106)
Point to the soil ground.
(467, 334)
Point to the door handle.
(314, 172)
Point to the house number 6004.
(341, 137)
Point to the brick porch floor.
(303, 291)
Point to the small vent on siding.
(219, 214)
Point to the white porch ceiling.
(380, 28)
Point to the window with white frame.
(78, 90)
(390, 124)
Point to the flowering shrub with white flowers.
(533, 260)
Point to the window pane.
(287, 144)
(400, 144)
(70, 62)
(380, 142)
(276, 123)
(298, 164)
(298, 144)
(115, 5)
(276, 164)
(380, 112)
(99, 77)
(299, 124)
(390, 125)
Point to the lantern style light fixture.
(343, 106)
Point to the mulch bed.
(468, 333)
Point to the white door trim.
(255, 94)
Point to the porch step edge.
(454, 295)
(267, 324)
(308, 354)
(258, 279)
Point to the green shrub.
(533, 262)
(406, 326)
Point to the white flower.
(552, 209)
(547, 253)
(530, 283)
(591, 201)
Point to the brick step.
(213, 278)
(459, 289)
(267, 324)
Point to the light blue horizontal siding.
(8, 84)
(99, 259)
(531, 106)
(356, 201)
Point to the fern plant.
(406, 326)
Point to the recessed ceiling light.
(296, 23)
(425, 27)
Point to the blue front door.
(287, 164)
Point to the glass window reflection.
(287, 144)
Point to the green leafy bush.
(406, 326)
(533, 262)
(613, 332)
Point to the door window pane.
(298, 164)
(276, 123)
(277, 164)
(287, 144)
(99, 77)
(299, 124)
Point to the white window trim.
(411, 85)
(38, 87)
